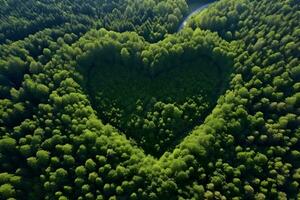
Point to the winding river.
(192, 13)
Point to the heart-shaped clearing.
(154, 93)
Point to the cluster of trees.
(54, 146)
(150, 18)
(266, 80)
(124, 75)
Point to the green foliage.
(151, 18)
(72, 94)
(130, 96)
(7, 191)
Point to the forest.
(149, 99)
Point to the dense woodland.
(105, 100)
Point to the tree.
(90, 165)
(125, 55)
(7, 144)
(42, 157)
(80, 171)
(7, 191)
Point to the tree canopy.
(104, 100)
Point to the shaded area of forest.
(155, 106)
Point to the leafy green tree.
(7, 191)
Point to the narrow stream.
(193, 12)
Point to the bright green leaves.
(7, 144)
(41, 159)
(7, 191)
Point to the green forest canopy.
(103, 100)
(153, 92)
